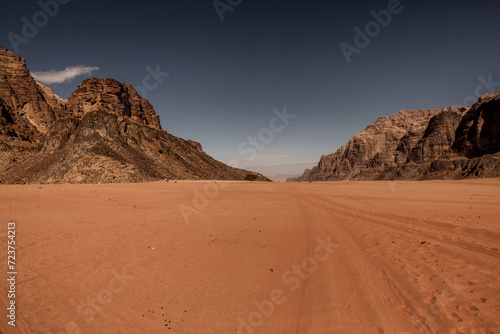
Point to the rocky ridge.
(113, 97)
(25, 111)
(105, 132)
(452, 143)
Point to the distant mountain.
(105, 132)
(452, 143)
(283, 178)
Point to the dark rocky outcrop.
(25, 112)
(114, 97)
(105, 132)
(438, 137)
(452, 143)
(479, 130)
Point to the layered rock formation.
(25, 111)
(114, 97)
(105, 132)
(420, 144)
(479, 131)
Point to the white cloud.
(68, 74)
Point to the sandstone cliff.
(455, 142)
(105, 132)
(479, 130)
(114, 97)
(25, 112)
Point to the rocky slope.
(420, 144)
(105, 132)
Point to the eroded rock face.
(479, 131)
(196, 145)
(438, 137)
(25, 112)
(455, 142)
(105, 132)
(54, 101)
(383, 144)
(114, 97)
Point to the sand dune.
(239, 257)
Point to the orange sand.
(205, 257)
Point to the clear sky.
(227, 76)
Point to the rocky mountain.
(113, 97)
(25, 111)
(105, 132)
(452, 143)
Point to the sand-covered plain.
(240, 257)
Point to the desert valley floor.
(241, 257)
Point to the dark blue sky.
(226, 77)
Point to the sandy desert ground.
(239, 257)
